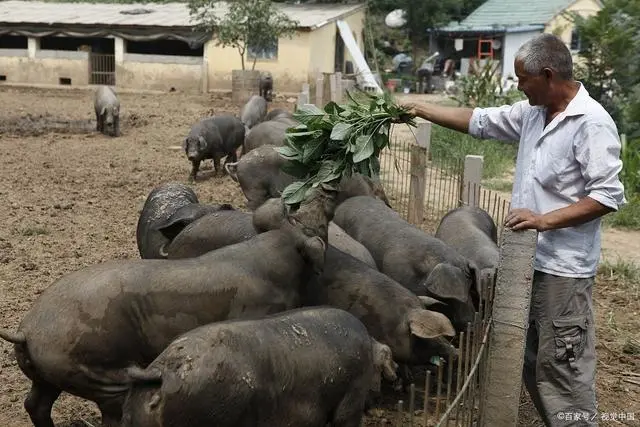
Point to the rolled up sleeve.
(598, 152)
(502, 123)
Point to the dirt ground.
(71, 197)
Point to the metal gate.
(102, 69)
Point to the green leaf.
(329, 171)
(295, 192)
(308, 110)
(288, 152)
(333, 108)
(313, 150)
(363, 148)
(340, 131)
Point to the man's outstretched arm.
(456, 118)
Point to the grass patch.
(623, 271)
(627, 217)
(503, 185)
(448, 145)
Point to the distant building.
(498, 28)
(154, 46)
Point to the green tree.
(609, 63)
(243, 23)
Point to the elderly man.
(566, 179)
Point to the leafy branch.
(243, 23)
(337, 141)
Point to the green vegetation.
(610, 70)
(484, 89)
(448, 145)
(337, 141)
(255, 23)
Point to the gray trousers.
(560, 355)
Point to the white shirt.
(576, 155)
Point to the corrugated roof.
(459, 28)
(511, 13)
(160, 14)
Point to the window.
(13, 42)
(575, 40)
(164, 47)
(267, 52)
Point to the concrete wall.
(47, 67)
(159, 72)
(289, 70)
(510, 45)
(562, 27)
(298, 59)
(322, 43)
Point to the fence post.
(471, 178)
(319, 89)
(338, 80)
(303, 97)
(332, 87)
(512, 296)
(418, 183)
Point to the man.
(566, 179)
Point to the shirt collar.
(578, 105)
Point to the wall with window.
(13, 56)
(561, 26)
(163, 65)
(50, 60)
(287, 61)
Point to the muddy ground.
(71, 197)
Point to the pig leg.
(99, 125)
(39, 402)
(111, 412)
(116, 126)
(349, 412)
(194, 170)
(216, 164)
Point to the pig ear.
(430, 324)
(104, 110)
(428, 302)
(447, 282)
(315, 249)
(184, 216)
(184, 143)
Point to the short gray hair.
(546, 51)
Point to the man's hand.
(410, 106)
(524, 219)
(586, 209)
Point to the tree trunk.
(241, 52)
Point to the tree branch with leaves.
(241, 24)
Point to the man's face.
(535, 87)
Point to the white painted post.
(500, 398)
(303, 98)
(471, 178)
(33, 46)
(204, 73)
(332, 87)
(119, 49)
(319, 90)
(339, 89)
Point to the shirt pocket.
(551, 173)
